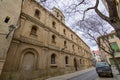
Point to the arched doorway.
(75, 64)
(28, 61)
(27, 66)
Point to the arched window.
(64, 31)
(78, 49)
(53, 39)
(53, 58)
(54, 24)
(71, 36)
(37, 13)
(66, 60)
(65, 44)
(34, 30)
(73, 47)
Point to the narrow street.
(90, 75)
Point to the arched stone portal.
(28, 61)
(27, 64)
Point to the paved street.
(90, 75)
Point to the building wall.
(30, 54)
(7, 9)
(117, 40)
(112, 38)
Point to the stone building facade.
(7, 9)
(43, 46)
(114, 41)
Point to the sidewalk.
(115, 73)
(114, 70)
(70, 75)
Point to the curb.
(70, 75)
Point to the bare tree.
(93, 28)
(76, 6)
(113, 18)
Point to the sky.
(71, 19)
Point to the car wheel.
(111, 75)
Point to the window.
(37, 13)
(73, 47)
(66, 60)
(78, 49)
(34, 30)
(65, 44)
(53, 59)
(53, 24)
(115, 47)
(7, 19)
(64, 31)
(80, 61)
(53, 39)
(71, 36)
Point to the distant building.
(43, 46)
(114, 41)
(97, 55)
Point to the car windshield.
(100, 64)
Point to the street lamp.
(11, 28)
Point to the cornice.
(32, 19)
(33, 42)
(50, 13)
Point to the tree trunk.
(116, 25)
(116, 63)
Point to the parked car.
(103, 69)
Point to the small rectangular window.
(7, 19)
